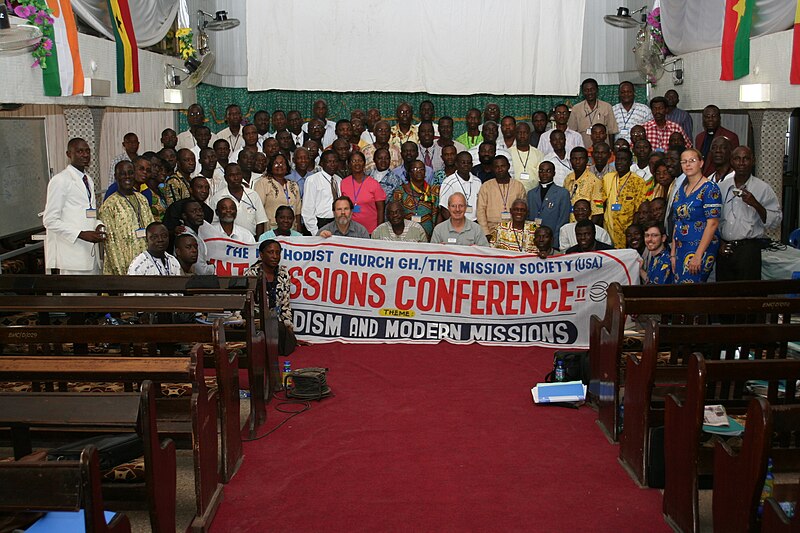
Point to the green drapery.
(215, 99)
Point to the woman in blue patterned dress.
(696, 210)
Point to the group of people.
(589, 178)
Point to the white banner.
(441, 47)
(230, 257)
(362, 291)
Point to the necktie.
(88, 189)
(334, 188)
(428, 161)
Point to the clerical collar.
(545, 185)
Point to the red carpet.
(434, 438)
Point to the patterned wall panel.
(84, 122)
(769, 130)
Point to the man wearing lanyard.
(497, 195)
(125, 215)
(582, 184)
(525, 158)
(233, 133)
(462, 181)
(548, 203)
(559, 156)
(155, 261)
(625, 191)
(70, 217)
(250, 212)
(629, 113)
(592, 111)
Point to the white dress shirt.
(330, 133)
(563, 167)
(235, 140)
(249, 210)
(574, 139)
(318, 198)
(567, 238)
(210, 231)
(741, 221)
(500, 149)
(453, 184)
(65, 216)
(187, 140)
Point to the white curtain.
(434, 46)
(691, 25)
(151, 18)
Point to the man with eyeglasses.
(196, 118)
(573, 138)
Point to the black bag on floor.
(113, 450)
(576, 366)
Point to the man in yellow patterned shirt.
(404, 131)
(582, 184)
(624, 191)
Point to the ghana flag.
(127, 52)
(736, 39)
(794, 75)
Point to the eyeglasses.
(689, 161)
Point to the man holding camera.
(749, 208)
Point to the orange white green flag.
(736, 39)
(63, 73)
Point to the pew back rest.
(48, 485)
(36, 284)
(105, 304)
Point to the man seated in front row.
(398, 228)
(585, 233)
(458, 229)
(343, 224)
(155, 261)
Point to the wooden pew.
(606, 334)
(161, 339)
(59, 486)
(771, 431)
(647, 382)
(194, 415)
(709, 382)
(231, 294)
(29, 412)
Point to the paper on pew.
(715, 415)
(565, 391)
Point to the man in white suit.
(70, 217)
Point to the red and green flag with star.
(736, 39)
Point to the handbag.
(113, 450)
(576, 366)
